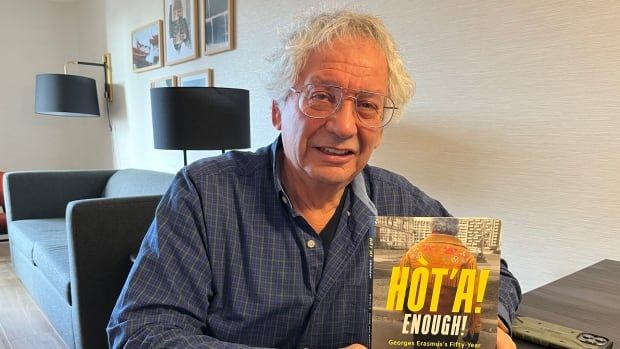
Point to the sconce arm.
(107, 67)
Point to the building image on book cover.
(435, 282)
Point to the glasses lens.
(388, 111)
(369, 108)
(320, 101)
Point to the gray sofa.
(71, 234)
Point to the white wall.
(516, 113)
(39, 37)
(241, 68)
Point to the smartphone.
(553, 335)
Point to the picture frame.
(167, 81)
(146, 43)
(200, 78)
(217, 26)
(180, 31)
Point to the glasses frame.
(339, 105)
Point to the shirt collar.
(275, 165)
(358, 186)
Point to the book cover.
(434, 282)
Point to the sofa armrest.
(102, 233)
(45, 194)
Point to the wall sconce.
(72, 95)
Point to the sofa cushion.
(24, 233)
(52, 258)
(132, 182)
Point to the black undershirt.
(329, 232)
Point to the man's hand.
(504, 341)
(503, 338)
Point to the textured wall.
(515, 116)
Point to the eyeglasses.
(373, 110)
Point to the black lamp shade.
(66, 95)
(200, 118)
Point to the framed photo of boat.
(145, 47)
(180, 30)
(201, 78)
(168, 81)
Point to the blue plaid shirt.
(225, 265)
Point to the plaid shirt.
(224, 264)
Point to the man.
(178, 26)
(443, 249)
(269, 248)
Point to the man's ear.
(276, 115)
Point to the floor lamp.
(200, 118)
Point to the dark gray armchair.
(71, 234)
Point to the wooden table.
(587, 300)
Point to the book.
(435, 282)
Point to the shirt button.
(284, 200)
(310, 243)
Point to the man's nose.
(343, 122)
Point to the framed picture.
(202, 78)
(218, 26)
(180, 33)
(145, 47)
(168, 81)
